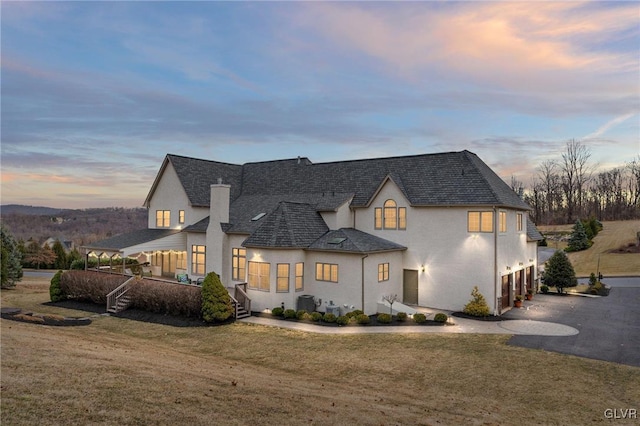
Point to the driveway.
(609, 327)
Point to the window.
(238, 264)
(378, 218)
(259, 276)
(163, 218)
(327, 272)
(503, 221)
(181, 216)
(282, 282)
(299, 276)
(198, 259)
(480, 221)
(383, 272)
(519, 226)
(181, 262)
(390, 217)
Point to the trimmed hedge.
(89, 286)
(166, 298)
(384, 318)
(440, 317)
(420, 318)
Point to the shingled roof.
(451, 179)
(291, 225)
(350, 240)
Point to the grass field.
(613, 235)
(118, 371)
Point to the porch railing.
(118, 300)
(243, 302)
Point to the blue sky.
(94, 94)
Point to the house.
(67, 244)
(341, 234)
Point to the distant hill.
(80, 226)
(33, 210)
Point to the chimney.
(216, 238)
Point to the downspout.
(496, 220)
(363, 258)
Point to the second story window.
(181, 216)
(480, 221)
(519, 224)
(503, 222)
(163, 218)
(390, 216)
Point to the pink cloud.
(540, 44)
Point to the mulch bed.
(17, 314)
(487, 318)
(372, 322)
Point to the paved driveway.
(609, 326)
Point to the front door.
(529, 275)
(410, 287)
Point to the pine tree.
(61, 256)
(559, 272)
(216, 302)
(11, 260)
(579, 239)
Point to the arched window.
(390, 216)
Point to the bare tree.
(576, 172)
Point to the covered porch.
(159, 253)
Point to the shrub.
(55, 292)
(363, 319)
(277, 311)
(342, 320)
(544, 289)
(440, 317)
(166, 298)
(559, 272)
(328, 317)
(89, 286)
(289, 313)
(477, 307)
(216, 302)
(384, 318)
(354, 313)
(302, 314)
(316, 316)
(420, 318)
(402, 316)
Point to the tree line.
(570, 188)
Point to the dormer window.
(163, 218)
(390, 216)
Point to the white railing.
(242, 297)
(117, 294)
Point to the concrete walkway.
(454, 325)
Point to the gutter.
(362, 259)
(496, 224)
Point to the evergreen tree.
(216, 302)
(61, 256)
(559, 272)
(579, 239)
(11, 260)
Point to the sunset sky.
(94, 94)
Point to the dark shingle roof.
(452, 178)
(353, 241)
(532, 231)
(131, 239)
(290, 225)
